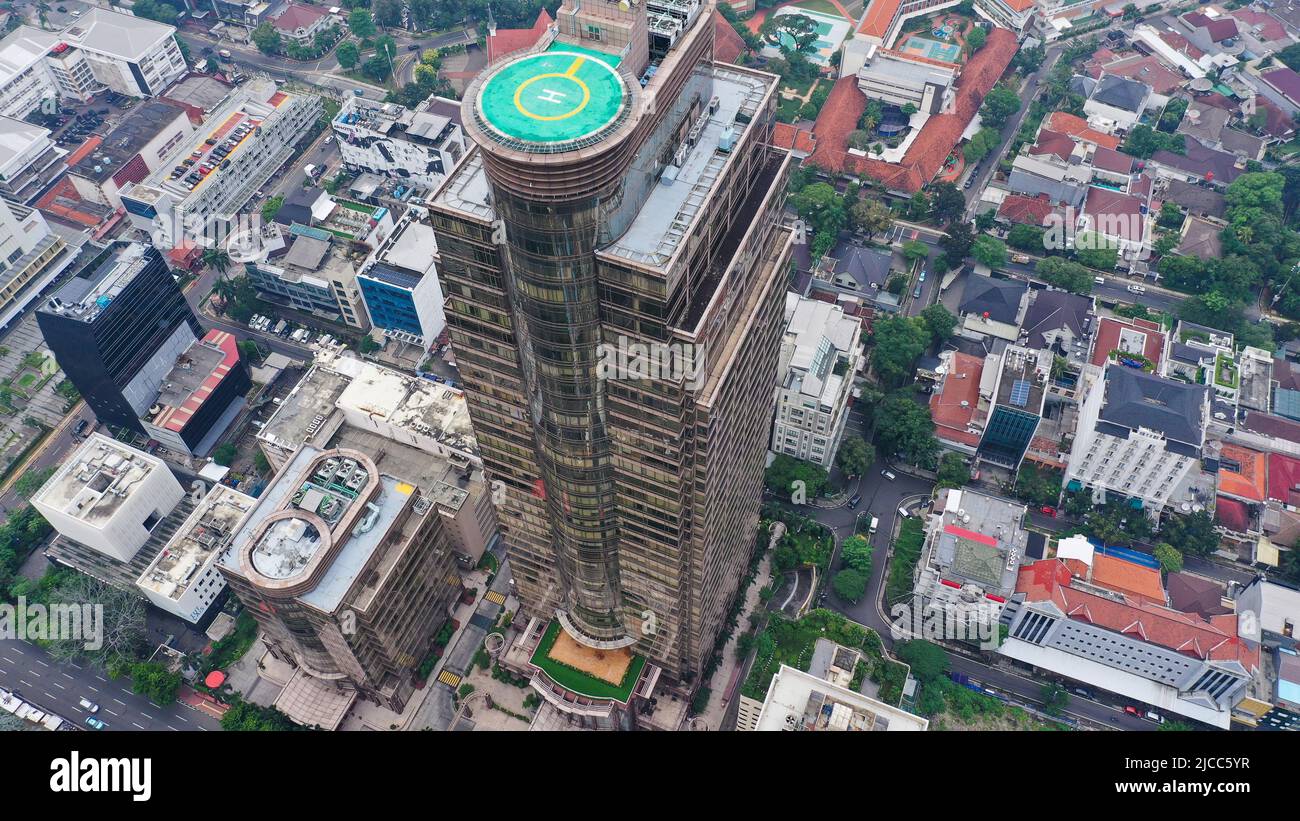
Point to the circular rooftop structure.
(552, 101)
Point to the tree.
(376, 68)
(155, 682)
(908, 109)
(914, 250)
(957, 242)
(348, 54)
(821, 207)
(1171, 561)
(928, 661)
(999, 104)
(1065, 274)
(123, 630)
(855, 456)
(1193, 534)
(953, 470)
(248, 717)
(1290, 56)
(975, 39)
(939, 322)
(918, 207)
(1095, 251)
(1143, 141)
(899, 340)
(795, 479)
(1028, 60)
(985, 220)
(387, 12)
(224, 454)
(361, 23)
(855, 553)
(904, 427)
(215, 257)
(979, 146)
(32, 480)
(850, 585)
(946, 202)
(1055, 698)
(267, 39)
(1025, 238)
(871, 217)
(989, 251)
(249, 350)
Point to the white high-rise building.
(820, 353)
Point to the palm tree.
(214, 257)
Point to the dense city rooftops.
(208, 529)
(96, 480)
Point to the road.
(51, 452)
(57, 686)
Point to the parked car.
(1133, 711)
(80, 427)
(1137, 289)
(1152, 715)
(888, 475)
(1099, 280)
(88, 705)
(1048, 510)
(94, 723)
(857, 498)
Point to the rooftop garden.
(1225, 372)
(579, 681)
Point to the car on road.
(80, 427)
(969, 182)
(224, 54)
(1137, 289)
(1020, 259)
(921, 278)
(413, 47)
(916, 293)
(1048, 510)
(857, 498)
(888, 475)
(94, 723)
(89, 706)
(1099, 280)
(1133, 711)
(329, 140)
(875, 523)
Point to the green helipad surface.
(553, 97)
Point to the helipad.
(551, 98)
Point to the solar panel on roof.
(1020, 393)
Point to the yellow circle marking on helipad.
(549, 95)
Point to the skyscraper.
(117, 328)
(614, 266)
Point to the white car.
(1136, 289)
(888, 475)
(89, 706)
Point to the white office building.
(419, 146)
(29, 159)
(109, 497)
(25, 79)
(130, 55)
(820, 354)
(183, 578)
(891, 78)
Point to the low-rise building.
(1117, 103)
(29, 160)
(183, 578)
(417, 146)
(138, 146)
(993, 307)
(399, 282)
(108, 497)
(959, 404)
(210, 177)
(315, 276)
(1138, 437)
(200, 396)
(1179, 663)
(820, 355)
(300, 23)
(32, 255)
(799, 701)
(1018, 399)
(892, 78)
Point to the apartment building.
(820, 356)
(131, 55)
(25, 78)
(32, 255)
(418, 146)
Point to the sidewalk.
(725, 680)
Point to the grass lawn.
(578, 681)
(907, 551)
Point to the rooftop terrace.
(603, 674)
(93, 484)
(207, 531)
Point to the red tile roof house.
(955, 403)
(1128, 334)
(501, 42)
(728, 45)
(1036, 211)
(937, 138)
(1077, 127)
(1130, 646)
(302, 23)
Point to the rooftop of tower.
(556, 100)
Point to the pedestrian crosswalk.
(495, 597)
(449, 678)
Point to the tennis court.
(933, 49)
